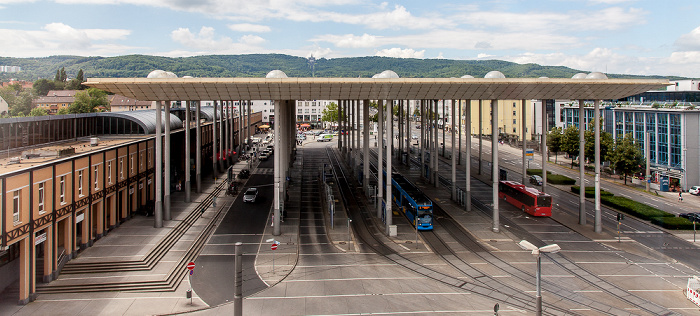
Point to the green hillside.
(257, 65)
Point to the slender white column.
(214, 145)
(422, 138)
(198, 145)
(188, 154)
(220, 119)
(494, 163)
(389, 150)
(468, 154)
(459, 131)
(158, 213)
(435, 158)
(365, 145)
(544, 145)
(454, 153)
(523, 131)
(598, 223)
(380, 160)
(481, 131)
(278, 165)
(225, 138)
(409, 134)
(166, 195)
(581, 161)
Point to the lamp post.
(553, 248)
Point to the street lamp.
(553, 248)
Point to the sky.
(640, 37)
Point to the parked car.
(250, 195)
(691, 216)
(244, 174)
(324, 138)
(694, 190)
(264, 156)
(535, 179)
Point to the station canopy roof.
(192, 89)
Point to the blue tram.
(412, 202)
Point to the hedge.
(674, 222)
(590, 191)
(552, 178)
(633, 208)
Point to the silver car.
(250, 195)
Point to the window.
(514, 113)
(513, 106)
(131, 164)
(140, 160)
(514, 122)
(41, 197)
(97, 182)
(15, 206)
(299, 111)
(80, 183)
(62, 189)
(109, 172)
(514, 130)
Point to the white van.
(324, 138)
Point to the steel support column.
(494, 165)
(158, 213)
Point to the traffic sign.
(273, 246)
(190, 266)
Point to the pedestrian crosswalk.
(264, 171)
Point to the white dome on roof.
(580, 75)
(467, 77)
(276, 74)
(160, 74)
(543, 77)
(187, 77)
(596, 75)
(495, 74)
(386, 74)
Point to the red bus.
(530, 200)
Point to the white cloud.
(62, 39)
(349, 40)
(401, 53)
(208, 42)
(609, 61)
(249, 28)
(689, 41)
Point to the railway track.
(360, 214)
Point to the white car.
(250, 195)
(694, 190)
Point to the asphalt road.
(244, 222)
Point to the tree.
(606, 144)
(554, 139)
(19, 103)
(38, 112)
(77, 82)
(570, 142)
(43, 86)
(88, 101)
(330, 113)
(627, 157)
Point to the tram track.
(466, 240)
(360, 214)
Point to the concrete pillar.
(380, 160)
(598, 223)
(581, 161)
(225, 135)
(409, 133)
(278, 166)
(523, 132)
(494, 163)
(435, 158)
(167, 181)
(215, 144)
(25, 270)
(188, 154)
(158, 214)
(442, 144)
(358, 133)
(365, 144)
(198, 146)
(544, 145)
(340, 125)
(468, 154)
(459, 132)
(481, 131)
(389, 149)
(48, 254)
(220, 120)
(421, 142)
(454, 154)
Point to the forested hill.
(258, 65)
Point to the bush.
(537, 172)
(590, 191)
(673, 222)
(560, 179)
(633, 208)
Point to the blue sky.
(642, 37)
